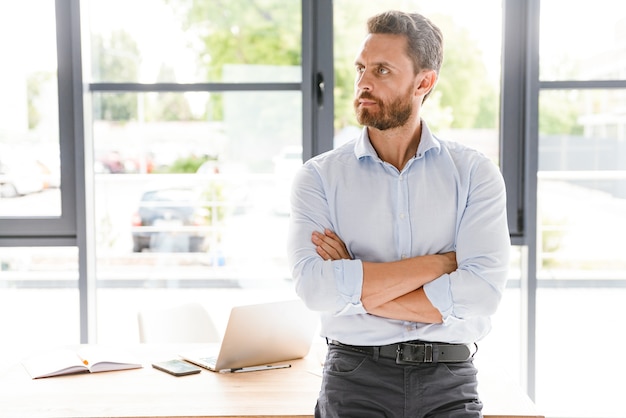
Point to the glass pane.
(570, 322)
(187, 42)
(582, 158)
(464, 106)
(581, 267)
(39, 300)
(195, 198)
(582, 41)
(502, 347)
(29, 127)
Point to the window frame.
(63, 230)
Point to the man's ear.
(426, 80)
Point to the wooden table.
(148, 392)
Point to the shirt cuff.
(349, 279)
(438, 292)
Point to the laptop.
(259, 336)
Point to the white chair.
(187, 323)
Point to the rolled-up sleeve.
(482, 248)
(329, 286)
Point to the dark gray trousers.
(360, 386)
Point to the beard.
(389, 115)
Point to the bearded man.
(399, 239)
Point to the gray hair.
(425, 40)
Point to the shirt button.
(402, 216)
(403, 256)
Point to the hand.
(329, 246)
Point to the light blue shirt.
(448, 197)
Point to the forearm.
(393, 289)
(414, 307)
(386, 282)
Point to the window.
(36, 187)
(39, 264)
(581, 196)
(197, 130)
(39, 298)
(29, 128)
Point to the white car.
(20, 177)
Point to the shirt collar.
(363, 146)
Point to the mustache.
(367, 95)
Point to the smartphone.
(176, 367)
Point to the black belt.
(415, 351)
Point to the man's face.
(384, 87)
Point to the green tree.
(463, 81)
(188, 164)
(169, 106)
(558, 113)
(253, 32)
(34, 85)
(115, 60)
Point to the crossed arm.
(393, 289)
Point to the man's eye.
(383, 71)
(359, 69)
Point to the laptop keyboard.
(209, 360)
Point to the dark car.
(171, 220)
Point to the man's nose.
(363, 81)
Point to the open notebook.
(259, 336)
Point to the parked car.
(171, 220)
(20, 176)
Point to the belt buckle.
(414, 353)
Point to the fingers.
(325, 246)
(322, 253)
(329, 246)
(339, 248)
